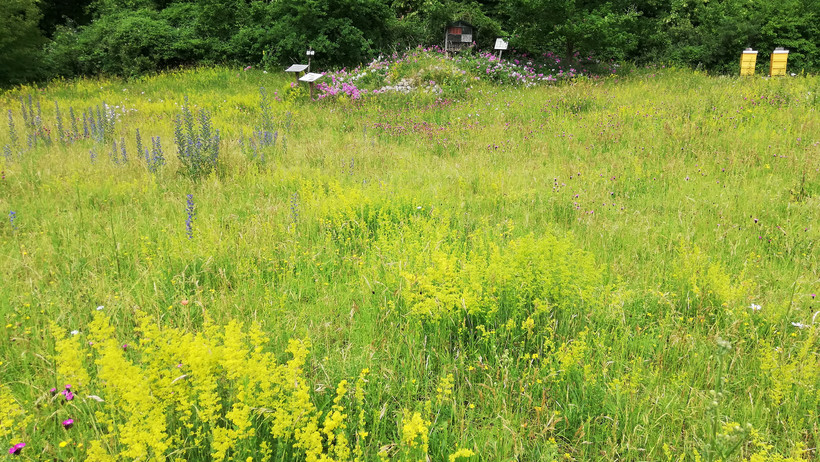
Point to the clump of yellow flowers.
(217, 394)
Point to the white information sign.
(296, 68)
(466, 38)
(310, 77)
(500, 44)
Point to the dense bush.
(131, 37)
(125, 43)
(20, 40)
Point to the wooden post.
(296, 69)
(311, 79)
(500, 45)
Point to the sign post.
(747, 62)
(296, 69)
(309, 54)
(311, 78)
(500, 45)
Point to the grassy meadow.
(618, 268)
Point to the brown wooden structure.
(458, 36)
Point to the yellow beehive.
(747, 62)
(778, 63)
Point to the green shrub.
(20, 41)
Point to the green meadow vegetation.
(207, 265)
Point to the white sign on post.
(500, 44)
(466, 38)
(310, 77)
(296, 68)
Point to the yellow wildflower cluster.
(217, 394)
(444, 390)
(709, 282)
(461, 453)
(763, 451)
(71, 368)
(11, 414)
(504, 282)
(796, 371)
(415, 435)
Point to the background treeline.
(51, 38)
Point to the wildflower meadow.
(435, 259)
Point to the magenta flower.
(15, 450)
(68, 423)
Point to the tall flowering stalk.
(12, 217)
(189, 208)
(59, 117)
(124, 154)
(12, 131)
(75, 133)
(198, 150)
(139, 145)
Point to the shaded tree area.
(20, 41)
(48, 38)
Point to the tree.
(343, 32)
(20, 41)
(61, 13)
(568, 27)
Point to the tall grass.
(621, 268)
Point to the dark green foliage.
(126, 43)
(604, 29)
(342, 32)
(20, 41)
(794, 25)
(62, 12)
(131, 37)
(711, 34)
(427, 24)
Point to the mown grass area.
(622, 268)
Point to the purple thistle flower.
(15, 450)
(68, 423)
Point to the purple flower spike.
(15, 450)
(68, 423)
(68, 395)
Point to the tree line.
(42, 39)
